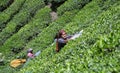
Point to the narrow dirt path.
(53, 14)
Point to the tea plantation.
(28, 24)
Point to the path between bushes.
(53, 14)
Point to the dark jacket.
(62, 42)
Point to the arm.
(69, 36)
(62, 40)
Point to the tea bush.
(71, 5)
(19, 20)
(29, 31)
(82, 55)
(4, 4)
(7, 14)
(95, 51)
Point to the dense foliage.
(20, 19)
(7, 14)
(29, 31)
(4, 4)
(71, 5)
(95, 51)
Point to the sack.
(17, 62)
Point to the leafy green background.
(28, 24)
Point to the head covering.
(61, 31)
(29, 50)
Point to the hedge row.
(89, 13)
(79, 56)
(24, 16)
(71, 5)
(29, 31)
(4, 4)
(7, 14)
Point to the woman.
(61, 39)
(30, 53)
